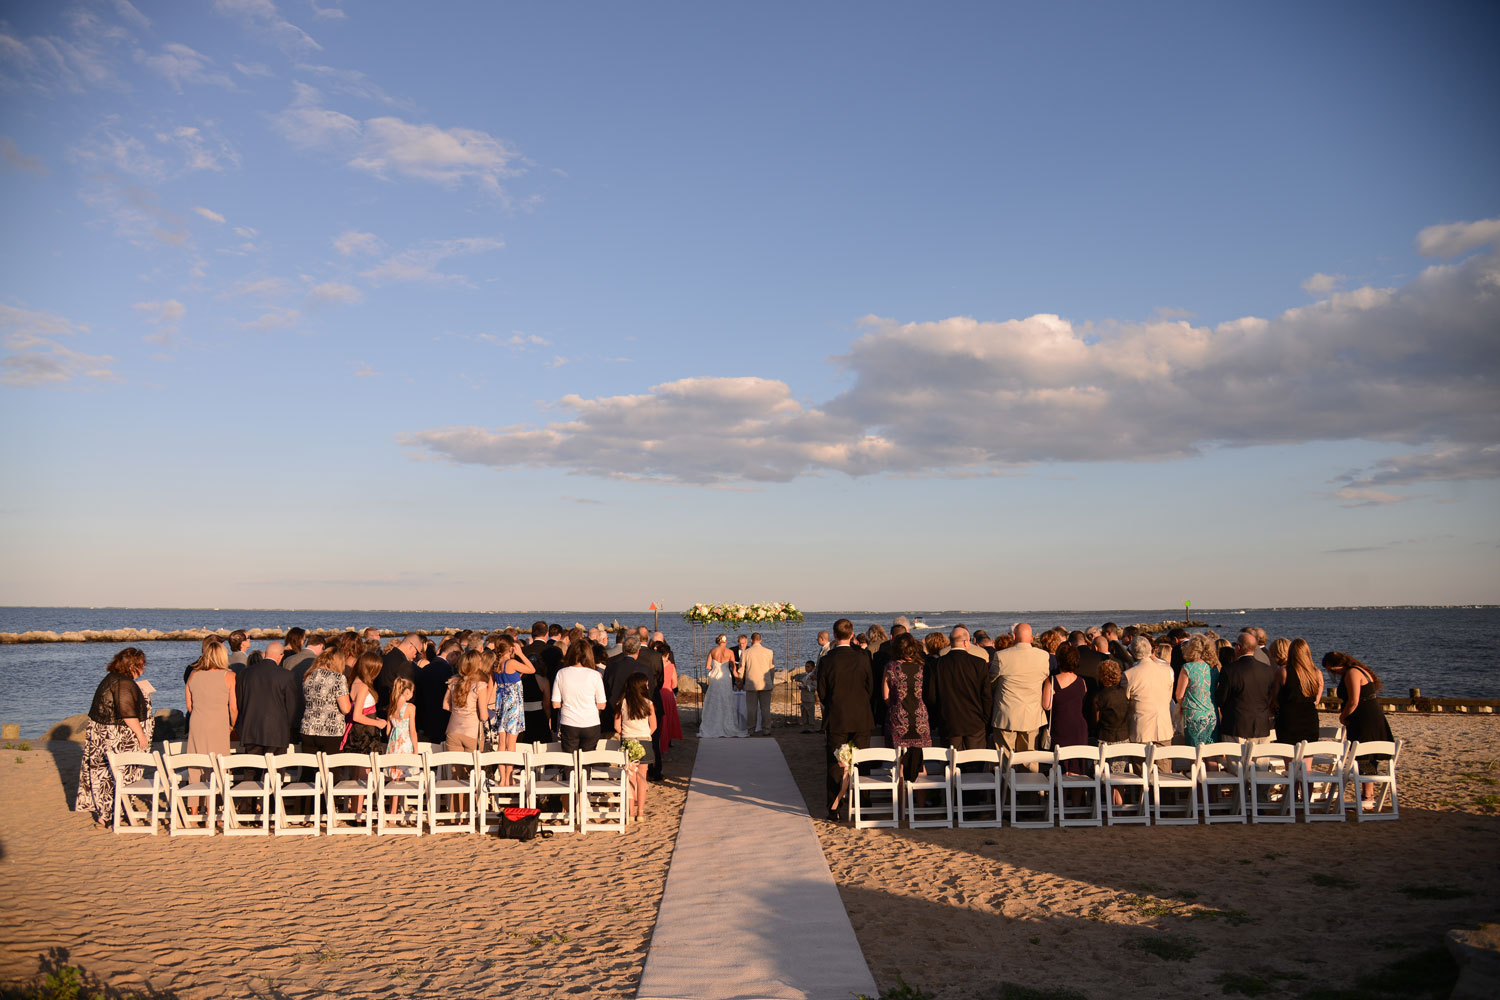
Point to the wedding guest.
(636, 720)
(901, 689)
(1300, 685)
(1278, 651)
(807, 683)
(1062, 695)
(1018, 674)
(118, 721)
(212, 708)
(578, 698)
(367, 728)
(467, 701)
(1364, 720)
(432, 684)
(671, 721)
(1195, 692)
(508, 715)
(1148, 688)
(959, 694)
(239, 650)
(1247, 694)
(325, 696)
(297, 653)
(844, 691)
(881, 653)
(1109, 706)
(267, 697)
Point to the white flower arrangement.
(633, 750)
(733, 615)
(845, 754)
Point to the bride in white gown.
(718, 718)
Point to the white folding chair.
(550, 776)
(978, 794)
(1085, 786)
(399, 797)
(180, 788)
(1335, 732)
(169, 748)
(607, 745)
(245, 779)
(1380, 758)
(1221, 779)
(350, 778)
(540, 747)
(1320, 779)
(935, 778)
(129, 817)
(880, 780)
(1174, 793)
(603, 790)
(297, 778)
(1271, 769)
(1022, 781)
(493, 796)
(452, 780)
(1133, 782)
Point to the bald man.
(1018, 674)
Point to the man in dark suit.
(617, 671)
(267, 700)
(536, 648)
(1089, 659)
(651, 660)
(1247, 695)
(1116, 649)
(844, 689)
(432, 684)
(401, 661)
(963, 692)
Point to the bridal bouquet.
(845, 756)
(633, 750)
(733, 615)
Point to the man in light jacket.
(1018, 674)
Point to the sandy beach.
(959, 913)
(955, 913)
(444, 916)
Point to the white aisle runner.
(750, 910)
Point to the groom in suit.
(758, 666)
(844, 688)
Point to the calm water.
(1447, 652)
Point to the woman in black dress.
(1363, 718)
(1297, 703)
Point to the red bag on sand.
(519, 824)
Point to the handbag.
(519, 824)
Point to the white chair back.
(150, 785)
(297, 778)
(978, 792)
(874, 788)
(349, 779)
(245, 779)
(192, 780)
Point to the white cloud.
(362, 369)
(352, 241)
(135, 212)
(178, 64)
(334, 293)
(1457, 238)
(276, 318)
(200, 151)
(390, 147)
(34, 356)
(49, 64)
(1322, 284)
(263, 15)
(351, 82)
(327, 13)
(209, 214)
(128, 12)
(165, 316)
(1356, 497)
(14, 159)
(263, 288)
(420, 262)
(1415, 364)
(253, 69)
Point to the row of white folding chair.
(1233, 782)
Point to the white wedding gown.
(718, 718)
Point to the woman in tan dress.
(212, 711)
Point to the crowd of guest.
(349, 692)
(1063, 687)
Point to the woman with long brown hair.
(1297, 703)
(1363, 718)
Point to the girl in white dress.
(718, 702)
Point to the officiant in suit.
(758, 667)
(844, 688)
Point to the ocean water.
(1447, 652)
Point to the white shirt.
(578, 691)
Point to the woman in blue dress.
(1195, 691)
(508, 715)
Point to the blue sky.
(856, 305)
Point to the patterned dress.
(1199, 719)
(906, 714)
(96, 785)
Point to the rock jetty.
(176, 635)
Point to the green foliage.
(901, 991)
(1167, 947)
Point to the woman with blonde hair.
(1301, 685)
(467, 701)
(1195, 691)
